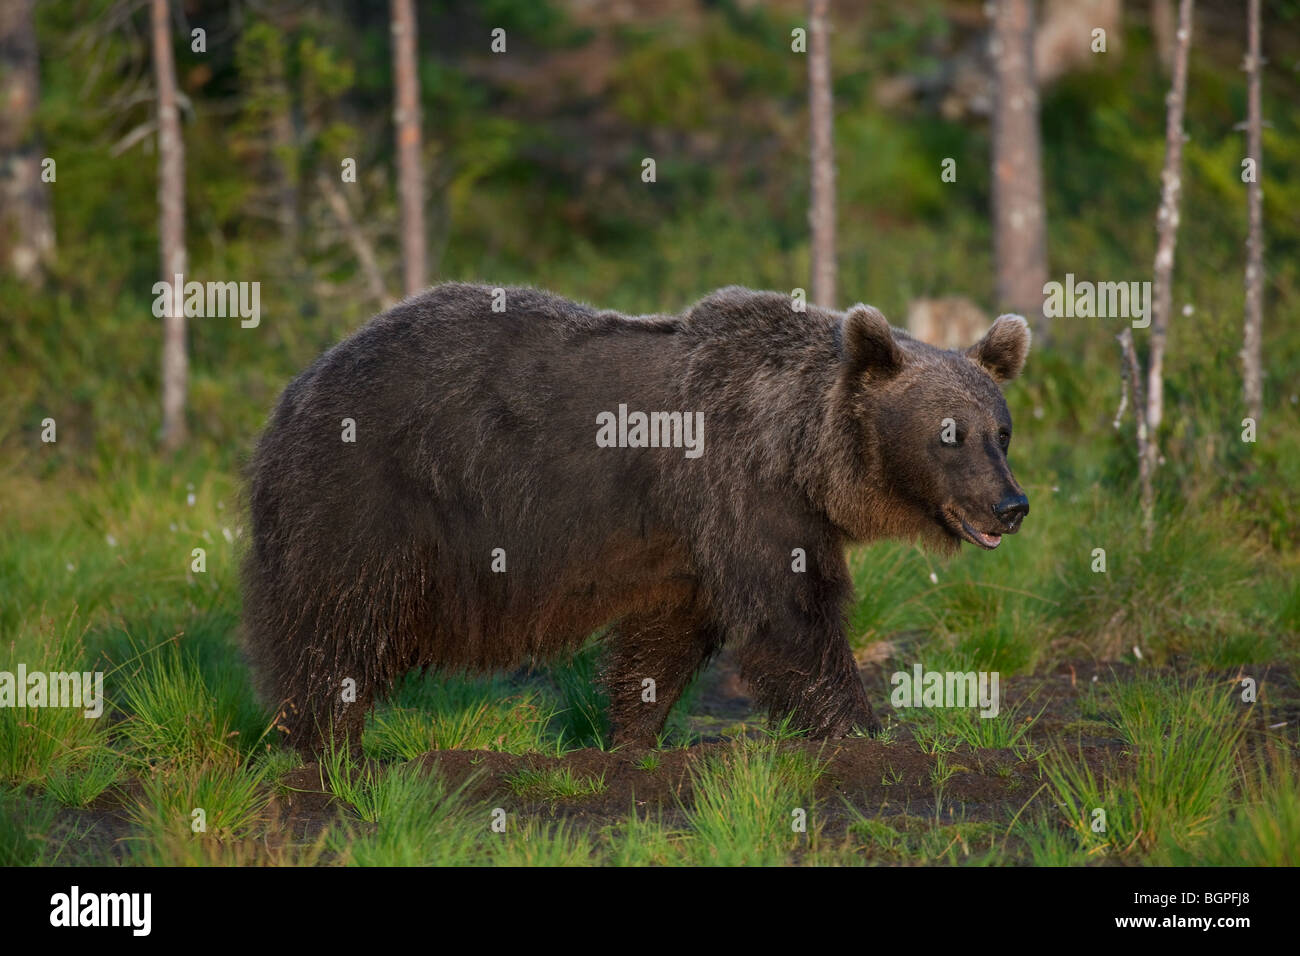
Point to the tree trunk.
(285, 158)
(821, 214)
(1167, 230)
(1133, 381)
(410, 178)
(1162, 32)
(26, 224)
(171, 232)
(1019, 224)
(1252, 338)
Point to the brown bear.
(478, 478)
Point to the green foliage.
(1173, 787)
(936, 729)
(913, 840)
(1264, 830)
(537, 843)
(455, 713)
(554, 783)
(536, 180)
(25, 825)
(34, 739)
(417, 821)
(745, 799)
(583, 720)
(893, 591)
(211, 801)
(355, 782)
(76, 778)
(174, 717)
(640, 841)
(1048, 841)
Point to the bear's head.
(931, 432)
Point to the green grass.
(906, 839)
(1198, 593)
(1262, 831)
(640, 841)
(538, 843)
(25, 826)
(197, 814)
(455, 713)
(894, 591)
(940, 729)
(582, 720)
(173, 716)
(554, 783)
(1175, 781)
(34, 739)
(746, 801)
(414, 820)
(79, 776)
(878, 836)
(932, 740)
(353, 780)
(1049, 841)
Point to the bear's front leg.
(801, 666)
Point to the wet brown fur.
(475, 430)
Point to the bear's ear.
(869, 345)
(1004, 348)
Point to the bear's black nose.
(1012, 509)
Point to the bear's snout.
(1011, 510)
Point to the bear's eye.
(1004, 439)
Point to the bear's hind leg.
(327, 710)
(652, 659)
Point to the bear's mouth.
(961, 529)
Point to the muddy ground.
(891, 780)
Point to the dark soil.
(892, 780)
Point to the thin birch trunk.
(171, 232)
(1171, 179)
(1132, 376)
(1019, 218)
(821, 213)
(1252, 338)
(410, 177)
